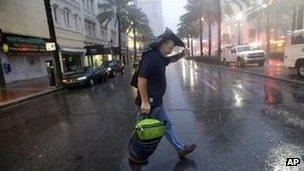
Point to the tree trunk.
(219, 31)
(294, 16)
(135, 49)
(209, 38)
(52, 33)
(267, 34)
(119, 39)
(201, 36)
(300, 17)
(259, 31)
(192, 46)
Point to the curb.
(275, 78)
(28, 97)
(262, 75)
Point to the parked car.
(243, 54)
(114, 66)
(89, 76)
(294, 54)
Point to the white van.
(243, 54)
(294, 54)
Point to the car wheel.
(301, 70)
(240, 63)
(92, 82)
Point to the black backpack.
(134, 79)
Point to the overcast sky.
(172, 10)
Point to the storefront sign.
(94, 50)
(50, 46)
(25, 44)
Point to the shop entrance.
(50, 72)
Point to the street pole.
(52, 33)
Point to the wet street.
(238, 121)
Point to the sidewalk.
(22, 90)
(274, 69)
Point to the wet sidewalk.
(22, 90)
(274, 69)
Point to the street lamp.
(239, 18)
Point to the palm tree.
(188, 29)
(137, 22)
(115, 10)
(197, 12)
(226, 7)
(271, 14)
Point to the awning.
(67, 50)
(124, 50)
(94, 49)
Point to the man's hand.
(185, 52)
(145, 107)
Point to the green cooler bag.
(149, 129)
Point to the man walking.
(152, 85)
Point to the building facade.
(83, 40)
(153, 10)
(25, 31)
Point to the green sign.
(25, 44)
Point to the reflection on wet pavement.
(238, 121)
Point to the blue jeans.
(160, 114)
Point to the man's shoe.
(186, 150)
(139, 162)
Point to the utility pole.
(52, 32)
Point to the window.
(76, 22)
(55, 11)
(92, 5)
(297, 39)
(67, 14)
(104, 32)
(83, 3)
(88, 5)
(113, 37)
(100, 8)
(90, 28)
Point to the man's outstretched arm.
(178, 56)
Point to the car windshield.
(245, 48)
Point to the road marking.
(209, 85)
